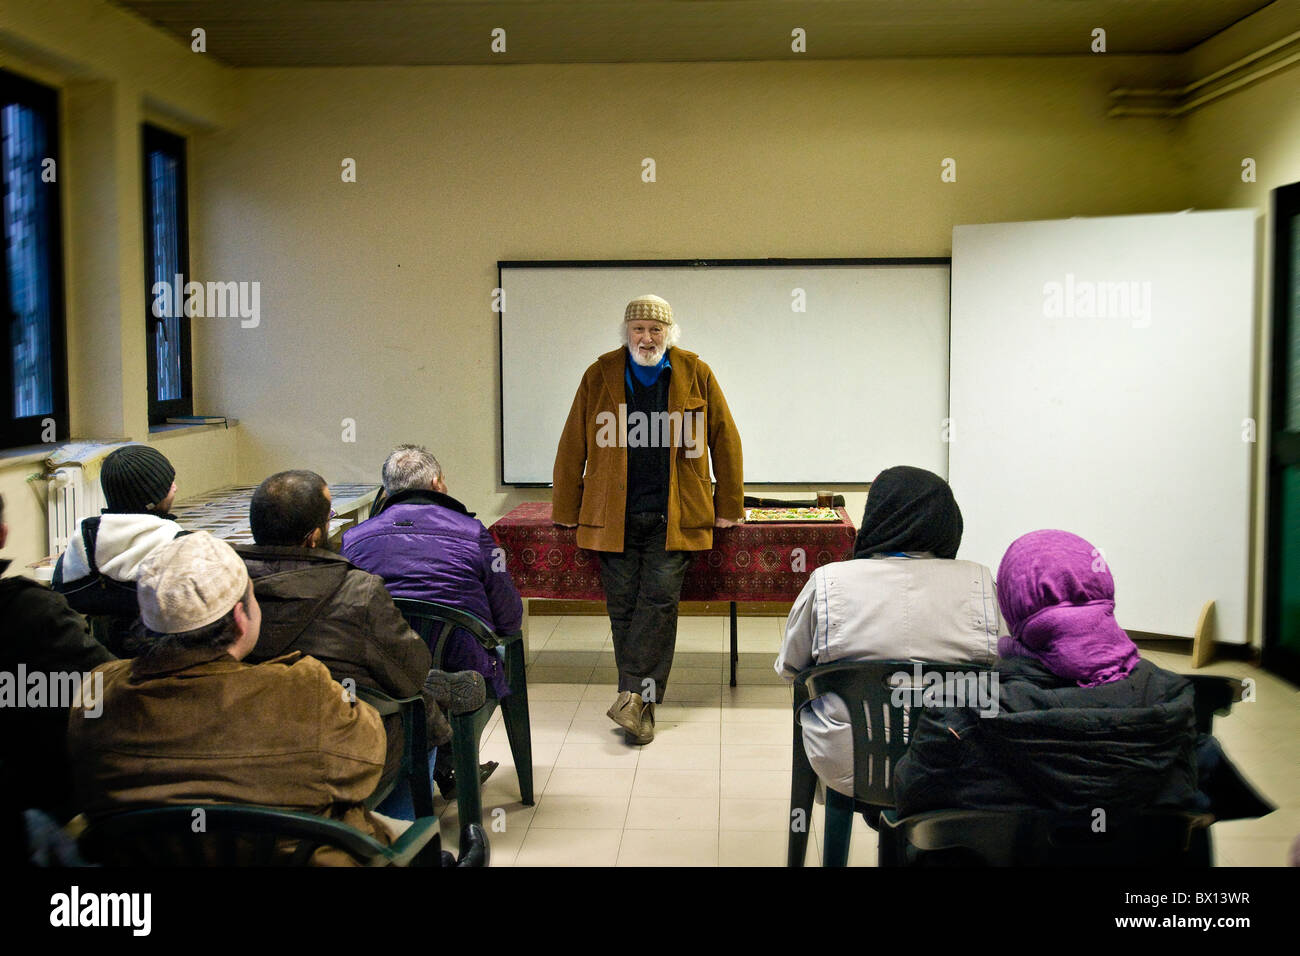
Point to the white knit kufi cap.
(648, 308)
(192, 581)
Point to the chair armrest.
(412, 842)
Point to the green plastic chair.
(237, 835)
(878, 743)
(1167, 839)
(435, 624)
(415, 749)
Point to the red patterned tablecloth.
(750, 562)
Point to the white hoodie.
(124, 541)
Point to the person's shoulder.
(301, 670)
(16, 584)
(689, 361)
(1158, 683)
(369, 586)
(596, 370)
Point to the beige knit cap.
(190, 582)
(648, 308)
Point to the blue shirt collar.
(646, 375)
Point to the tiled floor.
(713, 787)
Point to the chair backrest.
(1213, 695)
(221, 835)
(415, 748)
(1167, 838)
(435, 623)
(879, 702)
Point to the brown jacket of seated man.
(202, 726)
(184, 723)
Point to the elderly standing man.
(631, 474)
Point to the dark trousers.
(643, 584)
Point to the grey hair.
(672, 332)
(410, 467)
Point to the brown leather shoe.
(647, 732)
(626, 712)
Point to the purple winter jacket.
(427, 546)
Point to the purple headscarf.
(1058, 599)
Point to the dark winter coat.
(315, 602)
(43, 634)
(1057, 746)
(427, 546)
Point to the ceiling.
(279, 33)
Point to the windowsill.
(167, 431)
(27, 454)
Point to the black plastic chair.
(435, 624)
(237, 835)
(1214, 695)
(415, 749)
(879, 740)
(1075, 838)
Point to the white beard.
(640, 359)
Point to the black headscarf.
(909, 509)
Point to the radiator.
(72, 489)
(71, 497)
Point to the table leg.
(735, 653)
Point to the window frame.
(156, 139)
(18, 432)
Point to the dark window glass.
(33, 377)
(166, 272)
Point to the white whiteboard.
(852, 385)
(1125, 429)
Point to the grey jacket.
(917, 607)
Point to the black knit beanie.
(135, 477)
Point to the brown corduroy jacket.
(201, 727)
(590, 475)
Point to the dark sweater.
(647, 459)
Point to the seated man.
(41, 635)
(904, 596)
(189, 721)
(315, 602)
(427, 546)
(98, 571)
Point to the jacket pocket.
(694, 450)
(695, 495)
(592, 512)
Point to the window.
(33, 373)
(167, 266)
